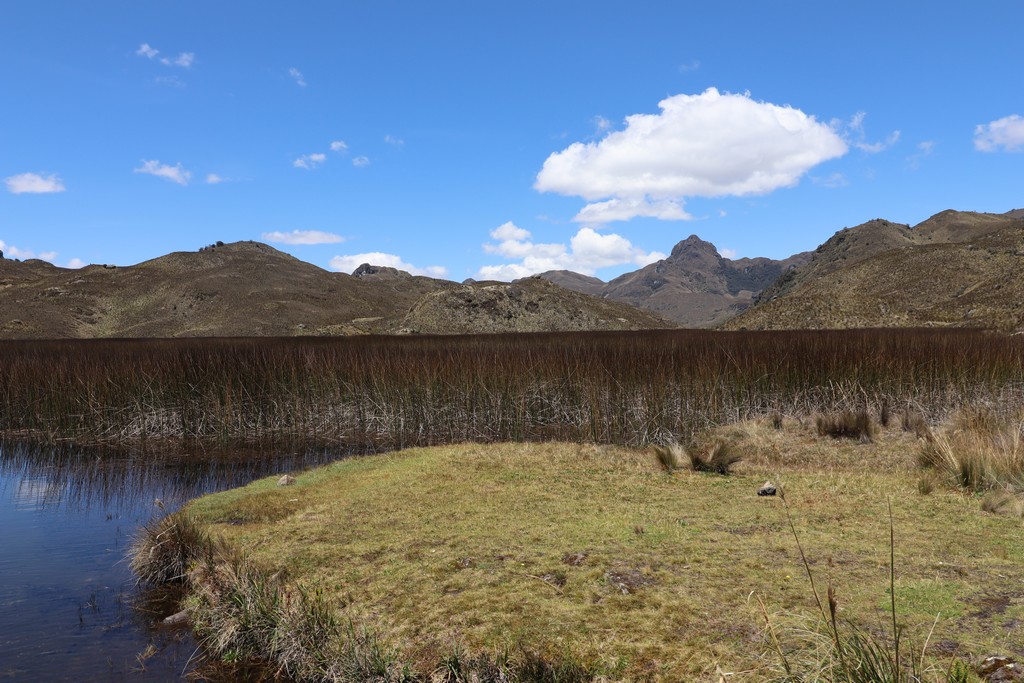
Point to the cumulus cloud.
(1005, 134)
(706, 145)
(338, 146)
(394, 141)
(176, 173)
(297, 76)
(310, 161)
(347, 264)
(76, 263)
(587, 251)
(34, 183)
(361, 161)
(624, 209)
(146, 51)
(728, 253)
(214, 179)
(303, 237)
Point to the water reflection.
(69, 608)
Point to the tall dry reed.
(385, 392)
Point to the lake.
(70, 609)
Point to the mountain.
(695, 286)
(530, 304)
(954, 269)
(251, 289)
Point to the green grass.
(598, 552)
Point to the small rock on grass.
(999, 669)
(767, 489)
(286, 480)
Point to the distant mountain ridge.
(956, 268)
(695, 286)
(252, 289)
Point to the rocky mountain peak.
(694, 245)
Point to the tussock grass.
(978, 451)
(166, 549)
(914, 421)
(849, 424)
(716, 457)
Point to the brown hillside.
(528, 305)
(239, 289)
(251, 289)
(961, 269)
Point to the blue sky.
(485, 139)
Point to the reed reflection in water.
(69, 607)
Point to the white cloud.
(689, 66)
(853, 133)
(587, 251)
(728, 253)
(924, 149)
(1005, 134)
(338, 146)
(625, 209)
(184, 60)
(214, 179)
(297, 77)
(346, 264)
(705, 145)
(394, 141)
(34, 183)
(303, 237)
(601, 124)
(176, 173)
(310, 161)
(11, 251)
(359, 162)
(76, 263)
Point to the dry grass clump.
(980, 451)
(1002, 502)
(716, 457)
(166, 549)
(848, 424)
(914, 421)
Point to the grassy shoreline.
(593, 557)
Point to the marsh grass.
(979, 451)
(388, 392)
(848, 424)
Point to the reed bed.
(631, 388)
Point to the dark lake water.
(69, 606)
